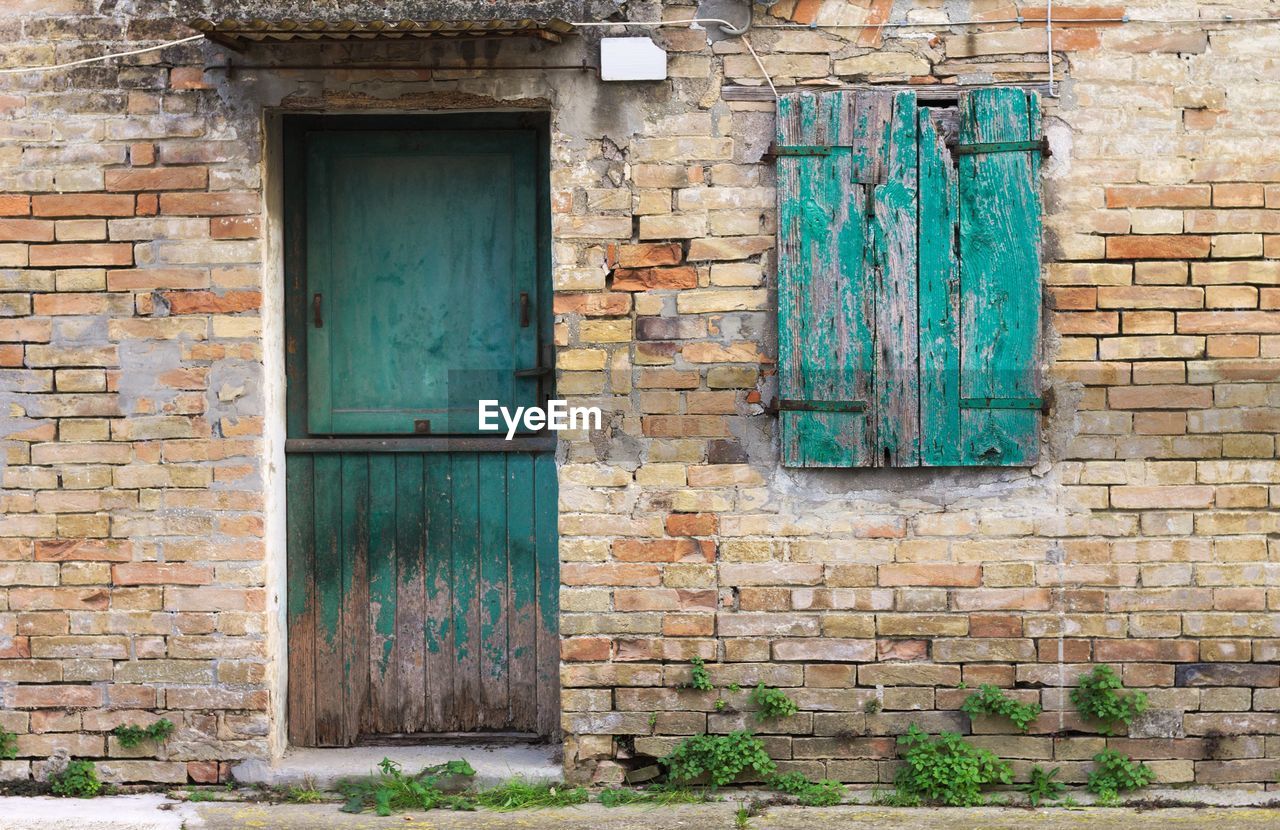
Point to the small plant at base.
(742, 818)
(773, 703)
(721, 758)
(196, 796)
(948, 770)
(656, 796)
(306, 794)
(992, 701)
(1097, 697)
(699, 677)
(734, 687)
(392, 790)
(78, 780)
(132, 735)
(823, 793)
(524, 795)
(1117, 774)
(720, 704)
(1043, 786)
(8, 745)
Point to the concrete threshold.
(322, 767)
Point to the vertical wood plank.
(999, 210)
(897, 314)
(301, 599)
(546, 514)
(494, 668)
(939, 301)
(411, 622)
(384, 681)
(825, 340)
(355, 600)
(330, 673)
(466, 591)
(441, 655)
(522, 593)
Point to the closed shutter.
(908, 280)
(826, 282)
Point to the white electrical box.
(632, 59)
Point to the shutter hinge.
(1043, 404)
(778, 150)
(794, 405)
(982, 148)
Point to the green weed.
(656, 796)
(393, 791)
(523, 795)
(132, 735)
(722, 758)
(1098, 697)
(699, 677)
(992, 701)
(772, 703)
(948, 770)
(1117, 774)
(1043, 786)
(78, 780)
(8, 745)
(822, 793)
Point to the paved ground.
(721, 817)
(155, 812)
(152, 812)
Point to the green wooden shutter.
(825, 288)
(908, 280)
(980, 285)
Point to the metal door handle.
(316, 310)
(535, 372)
(524, 309)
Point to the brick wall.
(134, 536)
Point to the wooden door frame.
(290, 132)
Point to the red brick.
(61, 696)
(1160, 397)
(692, 524)
(142, 154)
(1210, 322)
(1157, 247)
(82, 204)
(81, 254)
(203, 772)
(206, 302)
(593, 305)
(234, 227)
(52, 599)
(662, 550)
(582, 573)
(644, 279)
(188, 77)
(579, 649)
(26, 230)
(158, 178)
(156, 573)
(940, 574)
(15, 205)
(649, 255)
(1168, 196)
(88, 550)
(209, 204)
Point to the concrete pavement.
(154, 812)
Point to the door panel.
(419, 249)
(394, 652)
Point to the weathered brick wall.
(135, 535)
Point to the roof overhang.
(238, 34)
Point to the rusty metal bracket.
(794, 405)
(1043, 404)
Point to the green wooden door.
(422, 558)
